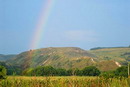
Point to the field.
(70, 81)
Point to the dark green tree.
(122, 71)
(49, 71)
(44, 71)
(91, 71)
(3, 72)
(78, 72)
(74, 72)
(107, 74)
(61, 72)
(38, 71)
(70, 72)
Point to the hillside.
(72, 57)
(121, 55)
(62, 57)
(6, 57)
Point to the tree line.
(51, 71)
(87, 71)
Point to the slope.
(120, 55)
(6, 57)
(61, 57)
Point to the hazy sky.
(76, 23)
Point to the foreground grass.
(73, 81)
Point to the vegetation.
(122, 71)
(73, 65)
(118, 73)
(62, 57)
(108, 74)
(50, 71)
(91, 71)
(2, 72)
(96, 48)
(6, 57)
(11, 69)
(72, 81)
(72, 57)
(87, 71)
(115, 78)
(120, 55)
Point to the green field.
(70, 81)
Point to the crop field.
(70, 81)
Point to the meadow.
(67, 81)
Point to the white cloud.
(81, 35)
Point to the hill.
(121, 55)
(96, 48)
(72, 57)
(6, 57)
(62, 57)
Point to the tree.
(61, 72)
(44, 71)
(122, 71)
(77, 72)
(91, 71)
(3, 72)
(74, 72)
(70, 72)
(107, 74)
(38, 71)
(49, 71)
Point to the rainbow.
(40, 26)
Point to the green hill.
(121, 55)
(63, 57)
(6, 57)
(72, 57)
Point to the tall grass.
(73, 81)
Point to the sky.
(66, 23)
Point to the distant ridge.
(6, 57)
(95, 48)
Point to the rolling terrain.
(72, 57)
(119, 55)
(69, 57)
(64, 57)
(6, 57)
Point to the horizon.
(29, 24)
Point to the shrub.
(108, 74)
(91, 71)
(2, 72)
(122, 71)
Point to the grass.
(70, 81)
(111, 53)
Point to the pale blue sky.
(76, 23)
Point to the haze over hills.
(6, 57)
(72, 57)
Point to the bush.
(122, 71)
(74, 72)
(91, 71)
(3, 72)
(108, 74)
(61, 72)
(50, 71)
